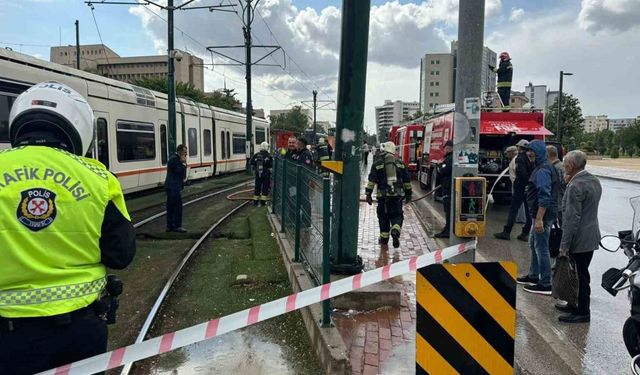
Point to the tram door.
(225, 150)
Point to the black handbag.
(565, 280)
(555, 237)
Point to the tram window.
(193, 142)
(163, 144)
(136, 141)
(228, 146)
(238, 143)
(103, 143)
(260, 135)
(206, 137)
(6, 102)
(222, 145)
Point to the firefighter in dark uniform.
(64, 221)
(505, 76)
(323, 150)
(304, 158)
(390, 176)
(262, 163)
(444, 180)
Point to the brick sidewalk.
(384, 337)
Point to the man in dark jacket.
(542, 200)
(505, 76)
(391, 179)
(580, 229)
(523, 172)
(173, 184)
(445, 170)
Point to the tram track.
(162, 258)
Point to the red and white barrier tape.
(220, 326)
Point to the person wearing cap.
(64, 221)
(391, 179)
(523, 169)
(445, 170)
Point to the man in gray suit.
(580, 229)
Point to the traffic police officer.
(262, 164)
(64, 221)
(393, 183)
(303, 155)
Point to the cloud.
(603, 84)
(613, 15)
(516, 14)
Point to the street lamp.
(562, 74)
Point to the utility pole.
(247, 45)
(349, 121)
(248, 14)
(466, 133)
(171, 53)
(77, 44)
(560, 129)
(315, 108)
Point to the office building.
(594, 124)
(394, 112)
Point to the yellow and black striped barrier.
(466, 318)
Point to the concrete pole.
(468, 86)
(349, 122)
(248, 65)
(171, 82)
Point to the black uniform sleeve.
(118, 239)
(176, 167)
(522, 170)
(373, 179)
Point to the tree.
(416, 115)
(221, 98)
(571, 118)
(294, 120)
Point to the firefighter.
(323, 150)
(393, 183)
(262, 163)
(444, 170)
(64, 220)
(505, 75)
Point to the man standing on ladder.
(505, 76)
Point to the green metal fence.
(302, 203)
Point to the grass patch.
(210, 289)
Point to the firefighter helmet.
(505, 56)
(389, 147)
(264, 146)
(52, 113)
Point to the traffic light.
(471, 196)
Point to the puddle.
(239, 352)
(401, 361)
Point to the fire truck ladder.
(492, 100)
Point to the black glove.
(407, 199)
(369, 199)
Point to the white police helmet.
(51, 109)
(321, 141)
(389, 147)
(264, 146)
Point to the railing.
(302, 203)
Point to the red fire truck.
(409, 142)
(498, 130)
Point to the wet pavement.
(383, 341)
(544, 345)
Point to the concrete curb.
(615, 178)
(327, 342)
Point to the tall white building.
(616, 124)
(539, 96)
(393, 113)
(593, 124)
(438, 77)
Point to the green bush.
(615, 152)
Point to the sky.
(597, 40)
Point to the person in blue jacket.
(542, 200)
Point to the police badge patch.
(37, 208)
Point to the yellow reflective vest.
(52, 205)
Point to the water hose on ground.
(232, 197)
(419, 198)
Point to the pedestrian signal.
(471, 196)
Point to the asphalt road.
(543, 344)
